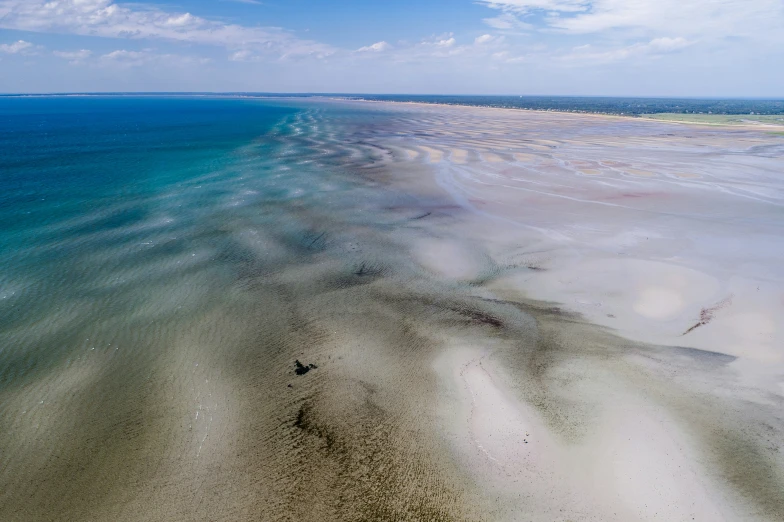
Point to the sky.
(731, 48)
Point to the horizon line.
(325, 94)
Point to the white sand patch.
(502, 429)
(500, 440)
(751, 326)
(635, 465)
(656, 302)
(449, 259)
(651, 290)
(647, 299)
(639, 460)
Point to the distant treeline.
(627, 106)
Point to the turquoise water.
(101, 194)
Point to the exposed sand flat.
(664, 235)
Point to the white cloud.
(243, 55)
(74, 57)
(714, 18)
(586, 54)
(507, 21)
(488, 40)
(105, 18)
(523, 6)
(438, 47)
(123, 58)
(127, 58)
(668, 44)
(376, 47)
(485, 38)
(18, 47)
(445, 49)
(753, 19)
(609, 31)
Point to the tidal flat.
(231, 309)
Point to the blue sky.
(591, 47)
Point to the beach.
(399, 311)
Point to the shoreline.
(358, 98)
(640, 117)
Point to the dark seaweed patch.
(301, 369)
(707, 314)
(479, 316)
(368, 270)
(318, 242)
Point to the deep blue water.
(65, 157)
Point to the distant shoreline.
(717, 120)
(681, 110)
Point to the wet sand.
(513, 316)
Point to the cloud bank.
(106, 18)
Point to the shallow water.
(165, 261)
